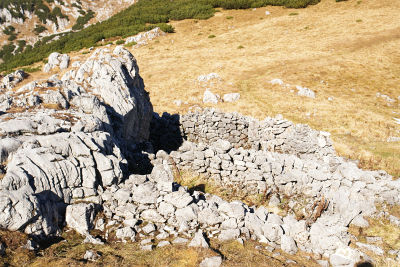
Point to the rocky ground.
(85, 153)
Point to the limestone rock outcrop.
(71, 150)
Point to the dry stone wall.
(272, 134)
(255, 170)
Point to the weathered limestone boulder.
(80, 217)
(231, 97)
(211, 262)
(115, 78)
(11, 80)
(210, 98)
(145, 37)
(56, 60)
(63, 163)
(345, 257)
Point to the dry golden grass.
(322, 43)
(389, 233)
(70, 253)
(202, 183)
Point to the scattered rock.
(288, 244)
(146, 247)
(211, 262)
(31, 245)
(178, 102)
(125, 233)
(360, 222)
(163, 244)
(210, 98)
(345, 256)
(180, 240)
(91, 255)
(143, 38)
(376, 250)
(232, 97)
(199, 240)
(323, 263)
(277, 81)
(385, 97)
(393, 139)
(304, 91)
(374, 239)
(208, 77)
(80, 217)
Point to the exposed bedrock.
(89, 142)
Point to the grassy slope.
(142, 16)
(326, 42)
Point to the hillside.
(24, 22)
(143, 16)
(345, 52)
(274, 141)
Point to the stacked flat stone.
(210, 125)
(253, 171)
(272, 134)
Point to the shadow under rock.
(165, 132)
(364, 264)
(51, 210)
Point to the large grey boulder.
(80, 217)
(288, 244)
(345, 257)
(199, 240)
(56, 60)
(115, 78)
(232, 97)
(211, 262)
(34, 214)
(7, 146)
(210, 98)
(62, 162)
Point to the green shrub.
(10, 30)
(130, 44)
(211, 36)
(12, 37)
(31, 69)
(39, 29)
(82, 20)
